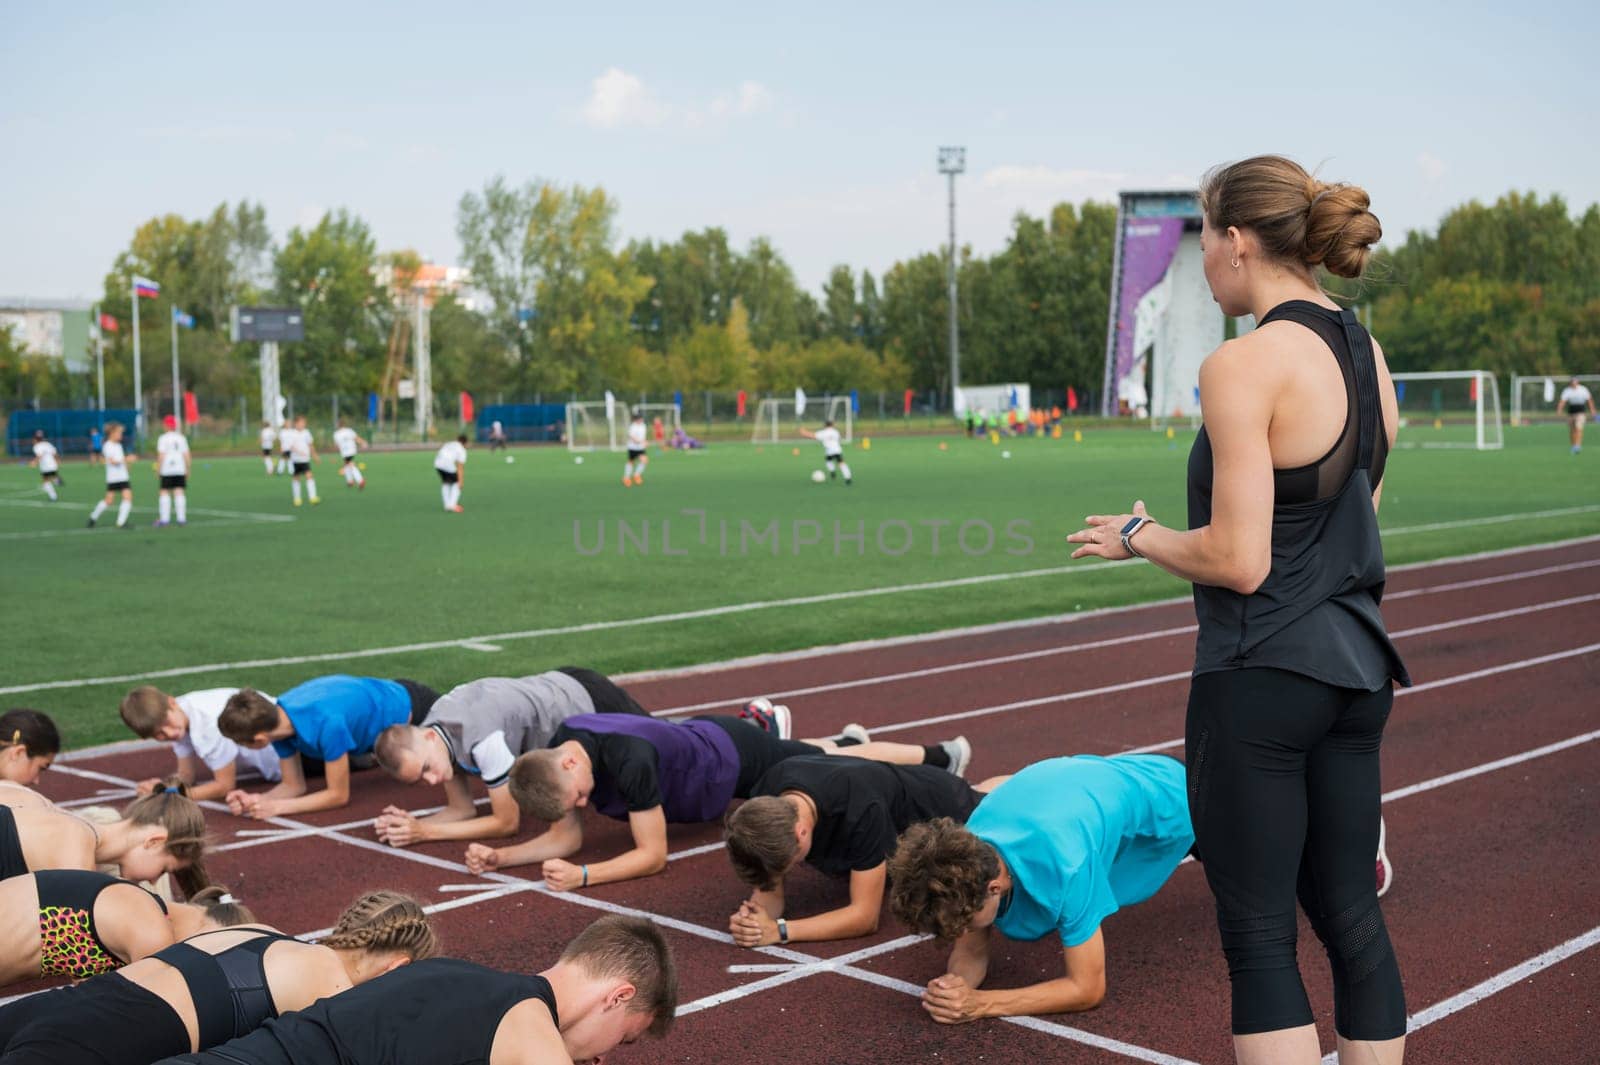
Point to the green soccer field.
(554, 562)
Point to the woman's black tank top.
(229, 989)
(1317, 612)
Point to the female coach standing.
(1293, 668)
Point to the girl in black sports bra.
(213, 987)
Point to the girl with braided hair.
(214, 987)
(164, 832)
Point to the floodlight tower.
(953, 161)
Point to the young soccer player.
(219, 985)
(638, 455)
(1577, 404)
(29, 742)
(479, 729)
(173, 451)
(451, 465)
(48, 463)
(832, 449)
(268, 437)
(650, 772)
(350, 444)
(615, 982)
(116, 477)
(1057, 848)
(329, 718)
(302, 453)
(189, 723)
(285, 443)
(497, 437)
(839, 815)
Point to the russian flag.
(145, 288)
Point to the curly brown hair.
(939, 877)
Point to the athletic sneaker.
(960, 753)
(297, 502)
(855, 732)
(315, 500)
(1385, 870)
(769, 716)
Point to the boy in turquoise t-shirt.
(1058, 847)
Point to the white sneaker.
(960, 752)
(855, 732)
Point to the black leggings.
(759, 750)
(1284, 796)
(607, 695)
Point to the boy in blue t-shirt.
(330, 719)
(1058, 847)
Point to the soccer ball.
(1005, 454)
(818, 476)
(578, 460)
(509, 460)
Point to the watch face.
(1132, 525)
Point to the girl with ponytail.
(215, 986)
(164, 832)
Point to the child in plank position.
(1057, 848)
(651, 772)
(840, 815)
(479, 729)
(331, 719)
(615, 982)
(190, 724)
(29, 743)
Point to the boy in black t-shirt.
(843, 816)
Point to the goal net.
(1460, 408)
(1534, 398)
(588, 427)
(776, 421)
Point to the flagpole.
(177, 395)
(100, 356)
(138, 399)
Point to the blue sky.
(814, 124)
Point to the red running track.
(1494, 865)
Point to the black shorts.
(635, 455)
(348, 459)
(608, 696)
(759, 750)
(267, 451)
(116, 486)
(129, 1024)
(302, 468)
(446, 476)
(12, 862)
(422, 698)
(174, 480)
(50, 475)
(833, 458)
(1577, 408)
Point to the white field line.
(246, 515)
(706, 612)
(1494, 985)
(1493, 519)
(46, 534)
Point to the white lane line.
(795, 972)
(1099, 1042)
(1490, 767)
(722, 611)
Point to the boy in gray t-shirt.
(478, 729)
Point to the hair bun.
(1340, 229)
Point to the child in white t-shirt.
(638, 456)
(349, 443)
(116, 460)
(302, 453)
(451, 465)
(269, 436)
(832, 450)
(172, 450)
(46, 458)
(189, 723)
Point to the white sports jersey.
(116, 462)
(1575, 395)
(636, 437)
(450, 454)
(174, 451)
(828, 437)
(345, 438)
(206, 742)
(299, 445)
(268, 435)
(45, 452)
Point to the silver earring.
(1236, 264)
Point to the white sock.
(269, 464)
(50, 490)
(99, 509)
(627, 472)
(183, 506)
(455, 494)
(357, 475)
(844, 468)
(295, 484)
(123, 511)
(311, 486)
(444, 494)
(638, 472)
(164, 507)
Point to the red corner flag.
(191, 409)
(1072, 398)
(909, 394)
(466, 407)
(741, 403)
(108, 323)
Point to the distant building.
(436, 280)
(57, 328)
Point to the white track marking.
(795, 972)
(779, 967)
(1490, 767)
(720, 611)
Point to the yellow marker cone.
(1438, 423)
(994, 437)
(1055, 433)
(1169, 432)
(1077, 436)
(866, 443)
(795, 451)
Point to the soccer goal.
(1533, 397)
(671, 416)
(588, 428)
(776, 421)
(1459, 408)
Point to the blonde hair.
(144, 710)
(1298, 219)
(170, 807)
(394, 742)
(381, 921)
(222, 908)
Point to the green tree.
(330, 272)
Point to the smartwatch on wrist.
(783, 930)
(1134, 525)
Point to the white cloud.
(618, 98)
(1432, 166)
(751, 98)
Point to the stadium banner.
(1148, 245)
